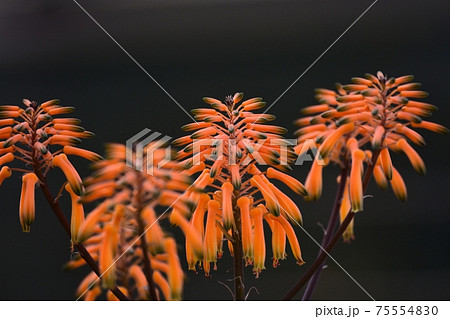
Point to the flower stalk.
(328, 232)
(318, 263)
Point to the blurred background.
(52, 49)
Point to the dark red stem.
(324, 253)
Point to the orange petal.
(175, 274)
(411, 134)
(246, 225)
(69, 171)
(87, 228)
(434, 127)
(106, 257)
(269, 196)
(163, 284)
(227, 207)
(386, 163)
(313, 182)
(343, 211)
(398, 185)
(289, 181)
(210, 243)
(91, 156)
(259, 248)
(356, 190)
(380, 177)
(377, 138)
(288, 207)
(293, 241)
(5, 172)
(77, 216)
(6, 158)
(413, 157)
(331, 140)
(140, 281)
(27, 203)
(154, 234)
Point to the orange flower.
(374, 113)
(27, 204)
(210, 232)
(175, 274)
(77, 217)
(72, 176)
(259, 245)
(125, 226)
(247, 232)
(228, 145)
(31, 134)
(107, 257)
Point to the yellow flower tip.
(227, 207)
(27, 202)
(69, 171)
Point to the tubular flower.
(124, 230)
(37, 136)
(374, 114)
(224, 153)
(27, 205)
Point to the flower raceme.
(226, 150)
(37, 136)
(375, 113)
(123, 232)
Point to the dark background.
(51, 49)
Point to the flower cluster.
(226, 150)
(374, 115)
(38, 137)
(123, 233)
